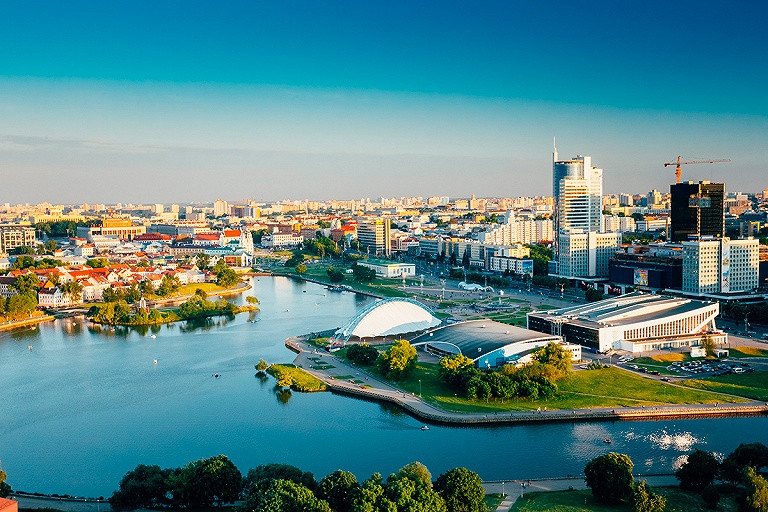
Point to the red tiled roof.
(8, 504)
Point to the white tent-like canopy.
(388, 317)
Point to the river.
(87, 403)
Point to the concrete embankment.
(15, 324)
(316, 281)
(376, 389)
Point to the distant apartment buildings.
(15, 235)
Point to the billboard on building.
(641, 277)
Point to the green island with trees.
(197, 306)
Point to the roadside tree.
(285, 496)
(610, 477)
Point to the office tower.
(577, 188)
(697, 210)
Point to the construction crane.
(678, 172)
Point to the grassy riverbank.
(678, 500)
(607, 387)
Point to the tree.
(252, 300)
(51, 245)
(751, 454)
(287, 496)
(227, 278)
(645, 500)
(610, 476)
(730, 471)
(555, 355)
(203, 482)
(416, 471)
(301, 268)
(398, 361)
(462, 490)
(202, 260)
(144, 487)
(698, 471)
(5, 489)
(168, 285)
(73, 289)
(26, 284)
(339, 489)
(708, 344)
(363, 274)
(97, 262)
(409, 494)
(260, 477)
(24, 249)
(20, 305)
(756, 497)
(710, 496)
(363, 354)
(261, 366)
(593, 295)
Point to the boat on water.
(424, 427)
(607, 441)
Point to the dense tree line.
(610, 478)
(282, 487)
(757, 313)
(534, 380)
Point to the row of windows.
(673, 328)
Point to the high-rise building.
(582, 250)
(577, 188)
(697, 210)
(220, 208)
(374, 235)
(720, 266)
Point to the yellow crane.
(678, 172)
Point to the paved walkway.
(367, 385)
(516, 488)
(68, 505)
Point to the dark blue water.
(87, 404)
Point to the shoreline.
(15, 324)
(420, 409)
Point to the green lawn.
(678, 500)
(751, 385)
(609, 387)
(189, 289)
(302, 381)
(739, 352)
(492, 501)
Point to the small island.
(197, 306)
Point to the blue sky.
(192, 101)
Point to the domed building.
(387, 317)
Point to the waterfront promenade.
(376, 389)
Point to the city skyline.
(300, 100)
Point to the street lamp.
(419, 388)
(502, 488)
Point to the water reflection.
(283, 395)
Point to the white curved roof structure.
(388, 317)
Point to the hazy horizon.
(171, 103)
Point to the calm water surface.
(87, 404)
